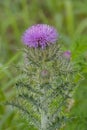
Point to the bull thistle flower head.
(47, 80)
(40, 35)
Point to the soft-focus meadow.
(70, 19)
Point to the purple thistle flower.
(40, 35)
(67, 54)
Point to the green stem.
(44, 109)
(44, 121)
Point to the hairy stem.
(44, 110)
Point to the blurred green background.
(70, 19)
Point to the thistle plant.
(47, 79)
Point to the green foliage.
(43, 90)
(69, 17)
(79, 110)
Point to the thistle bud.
(44, 73)
(67, 54)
